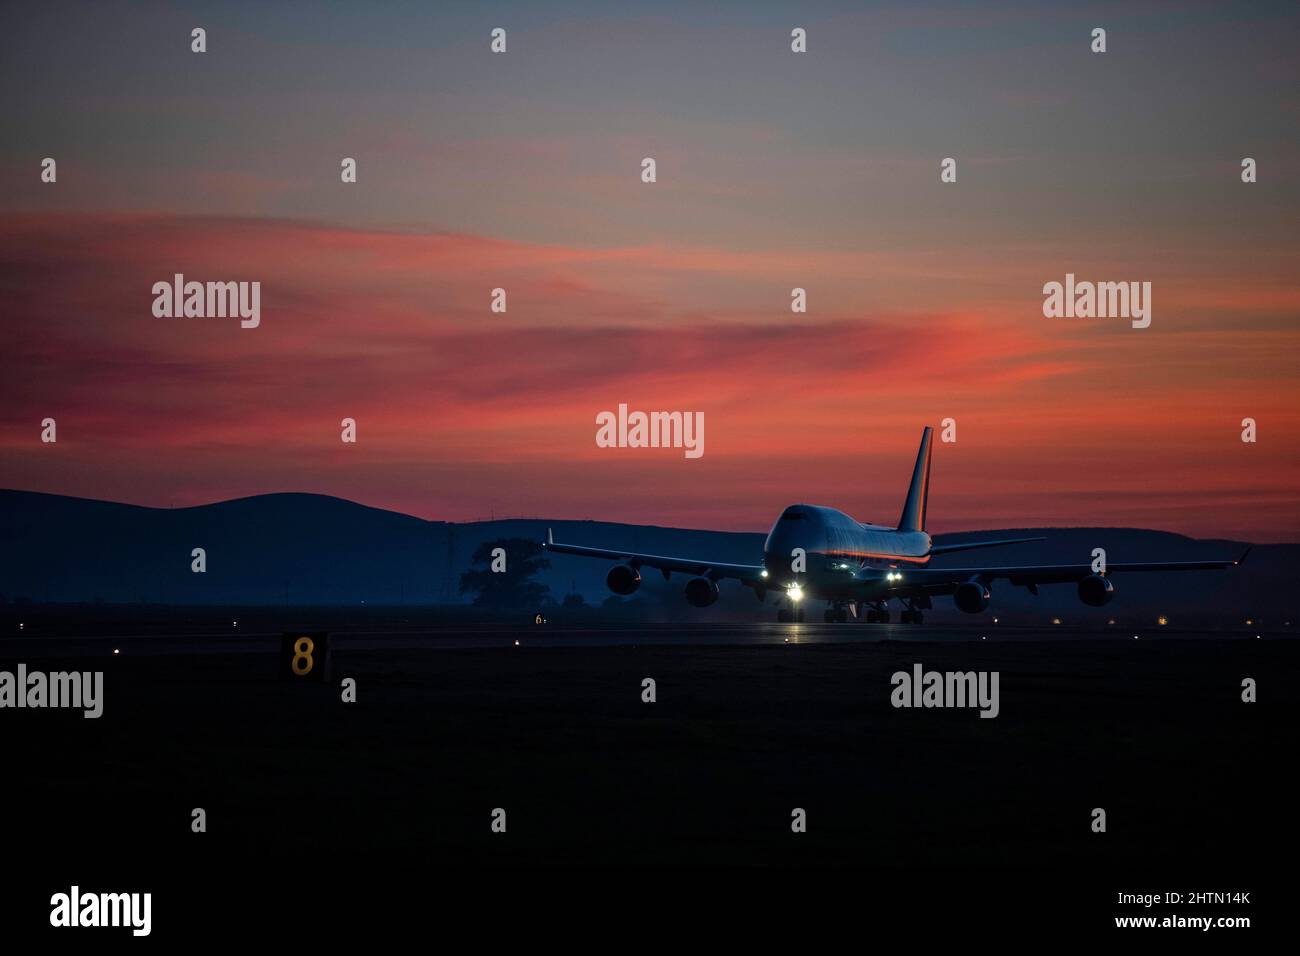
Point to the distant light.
(995, 620)
(763, 573)
(1162, 620)
(1135, 637)
(787, 640)
(234, 624)
(795, 593)
(516, 642)
(1056, 620)
(983, 638)
(116, 652)
(21, 626)
(1256, 637)
(1250, 620)
(1111, 621)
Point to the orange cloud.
(462, 411)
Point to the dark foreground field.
(1195, 783)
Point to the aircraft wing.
(751, 574)
(972, 545)
(945, 580)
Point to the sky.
(775, 170)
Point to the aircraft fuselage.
(827, 551)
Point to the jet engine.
(701, 592)
(1095, 590)
(971, 597)
(623, 579)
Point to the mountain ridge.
(306, 548)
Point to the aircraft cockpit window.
(792, 515)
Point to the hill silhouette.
(306, 549)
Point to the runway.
(347, 635)
(747, 724)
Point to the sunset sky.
(775, 170)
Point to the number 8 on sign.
(302, 662)
(304, 656)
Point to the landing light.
(763, 573)
(795, 593)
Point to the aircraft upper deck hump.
(918, 492)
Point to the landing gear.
(874, 613)
(836, 614)
(911, 617)
(878, 615)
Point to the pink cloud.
(462, 411)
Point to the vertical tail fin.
(913, 518)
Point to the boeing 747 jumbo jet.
(817, 553)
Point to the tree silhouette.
(512, 588)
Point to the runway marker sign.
(304, 655)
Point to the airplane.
(819, 553)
